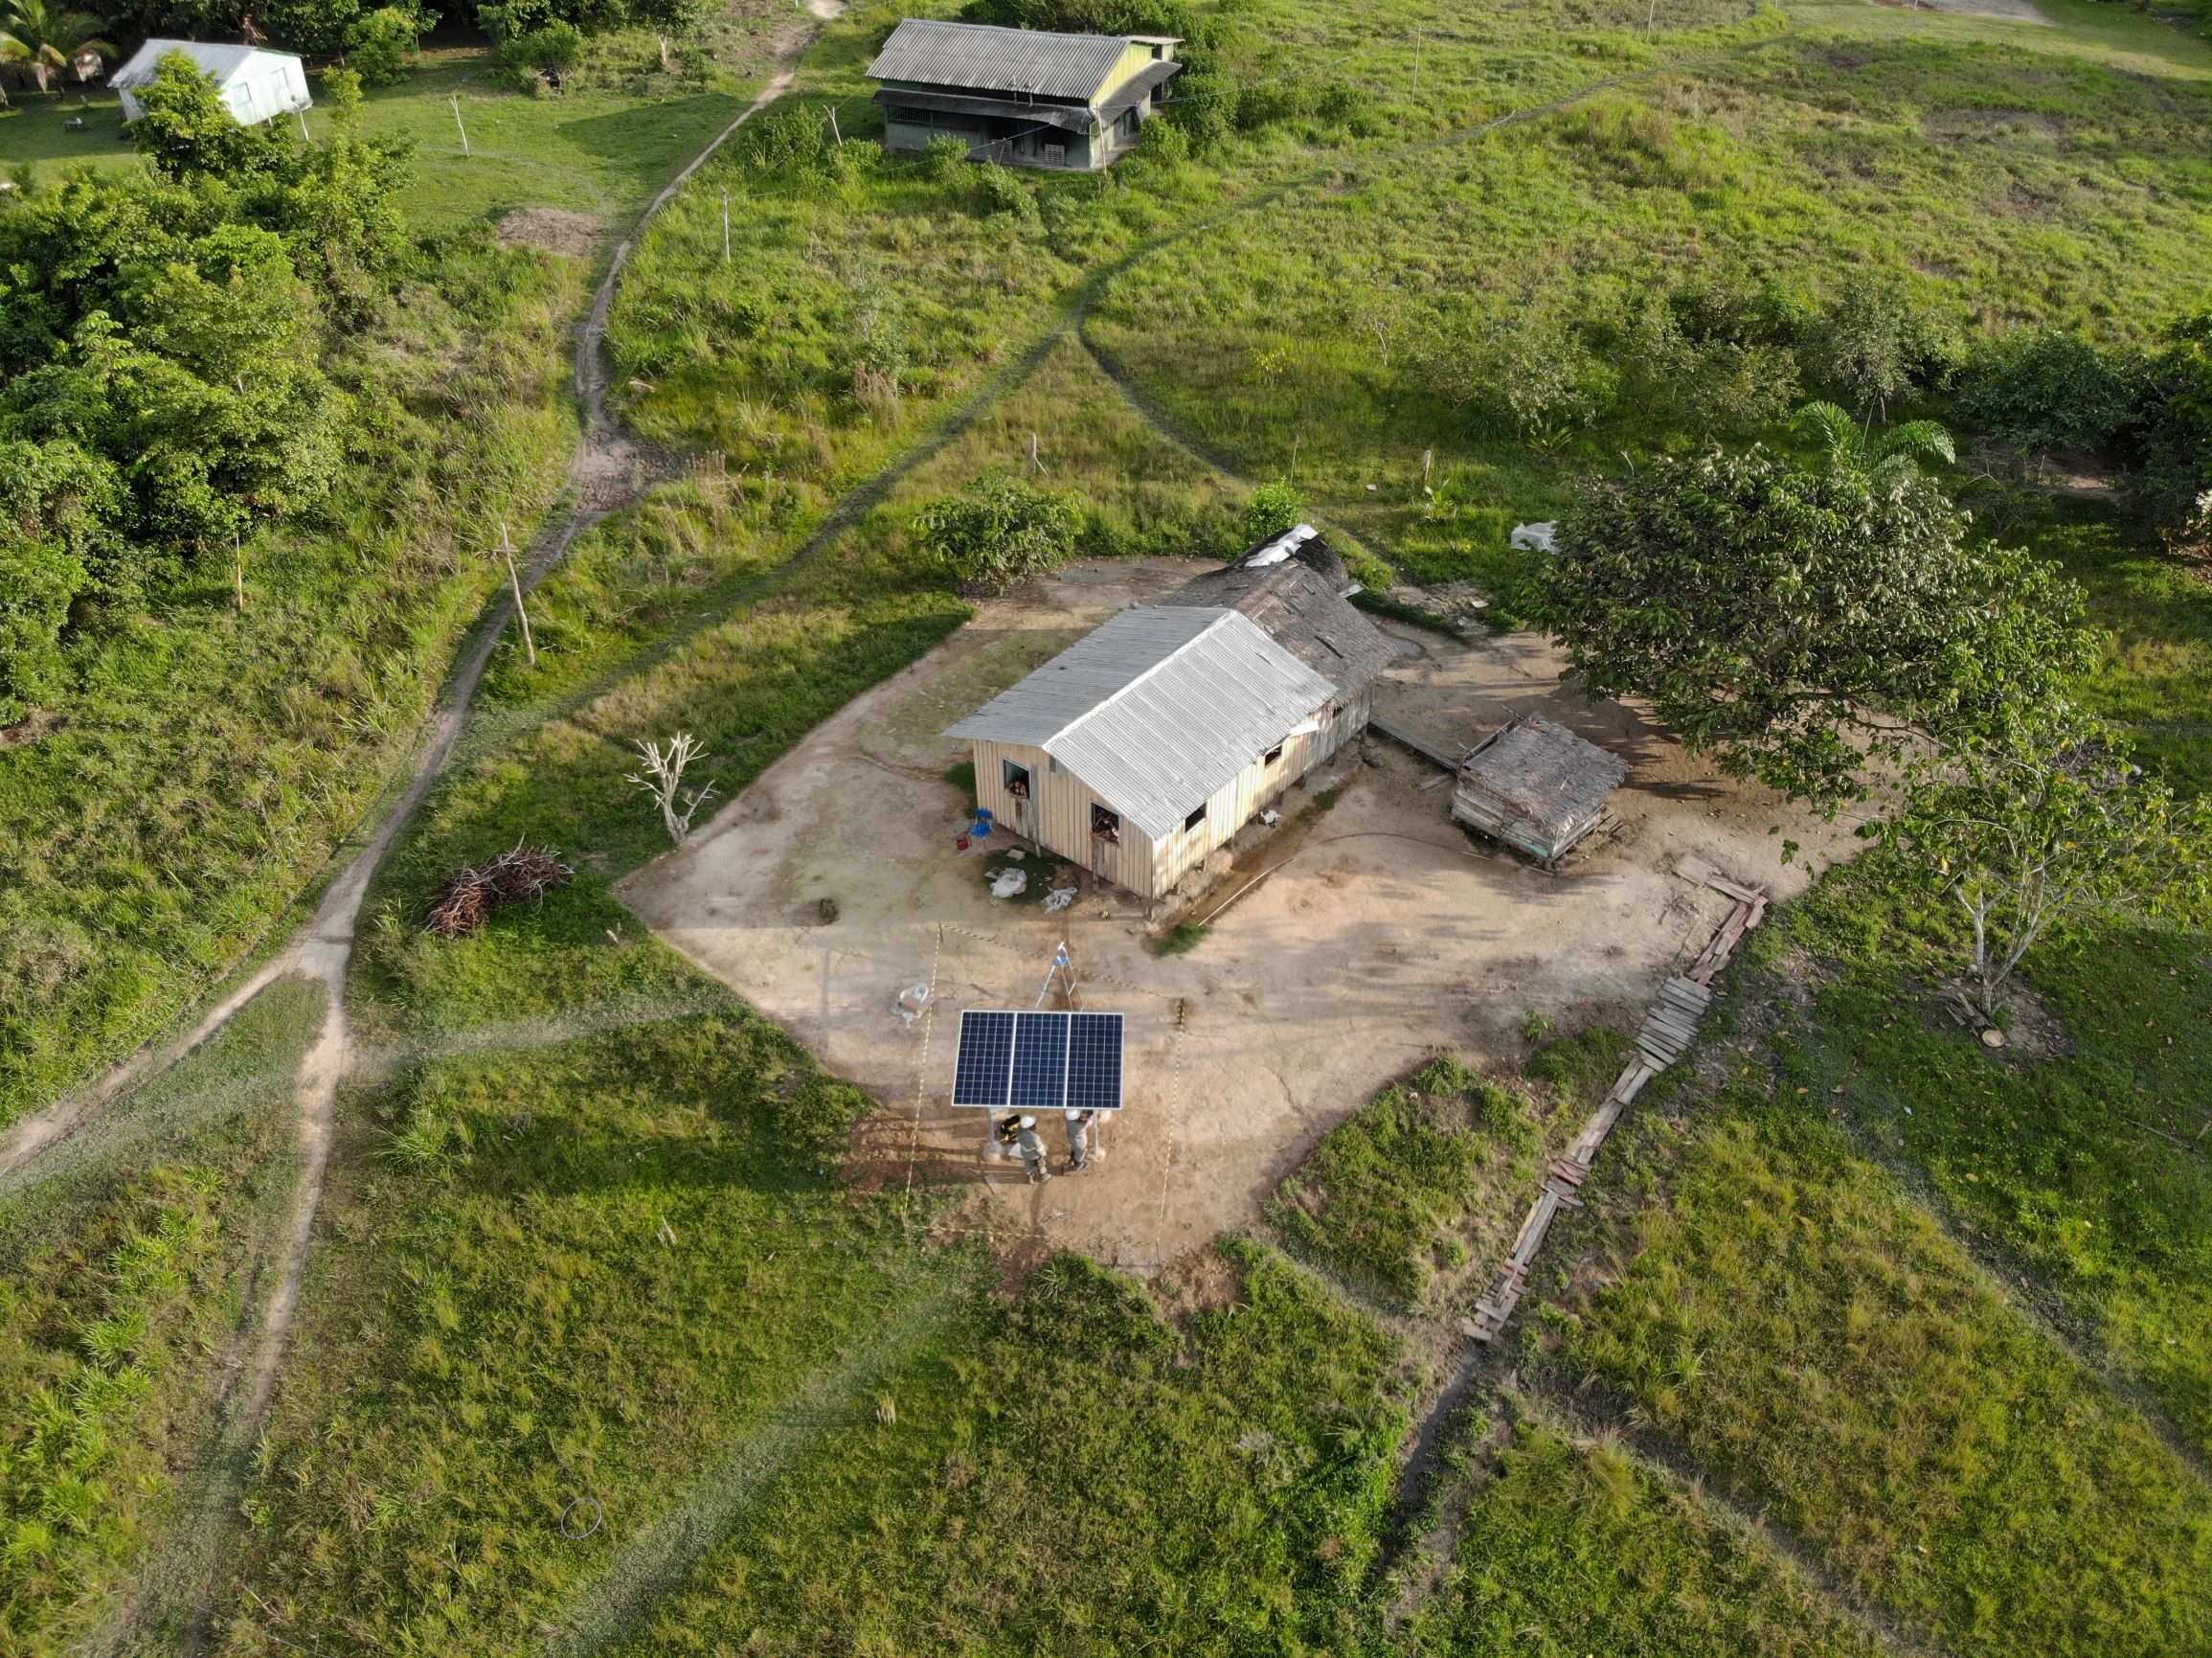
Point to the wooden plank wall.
(1058, 815)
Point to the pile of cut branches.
(469, 896)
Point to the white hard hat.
(1073, 1115)
(1028, 1123)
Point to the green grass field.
(588, 1256)
(601, 149)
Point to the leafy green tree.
(44, 41)
(379, 44)
(2177, 463)
(1874, 345)
(57, 506)
(2051, 389)
(1273, 510)
(1000, 531)
(1795, 623)
(1529, 377)
(317, 26)
(2041, 819)
(1890, 454)
(1697, 360)
(188, 131)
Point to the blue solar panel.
(1038, 1061)
(986, 1058)
(1094, 1061)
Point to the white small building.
(257, 85)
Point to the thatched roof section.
(1537, 785)
(1295, 589)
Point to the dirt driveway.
(1387, 934)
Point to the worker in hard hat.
(1004, 1133)
(1079, 1139)
(1031, 1147)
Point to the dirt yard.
(1381, 934)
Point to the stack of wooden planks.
(1669, 1026)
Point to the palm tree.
(43, 40)
(1851, 446)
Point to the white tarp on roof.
(1158, 708)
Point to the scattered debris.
(1271, 818)
(1059, 898)
(1009, 883)
(470, 895)
(1537, 536)
(1669, 1026)
(910, 1003)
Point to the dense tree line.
(163, 344)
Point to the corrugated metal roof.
(984, 56)
(218, 60)
(1158, 708)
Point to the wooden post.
(1428, 461)
(1417, 62)
(834, 132)
(463, 125)
(1035, 464)
(238, 569)
(514, 579)
(1650, 15)
(725, 227)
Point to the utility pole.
(463, 125)
(506, 549)
(834, 132)
(1650, 17)
(725, 227)
(1035, 464)
(238, 569)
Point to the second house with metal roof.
(1150, 742)
(1023, 97)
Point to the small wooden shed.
(1536, 786)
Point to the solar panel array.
(1038, 1061)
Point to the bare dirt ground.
(1383, 935)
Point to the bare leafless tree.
(663, 780)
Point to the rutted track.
(606, 472)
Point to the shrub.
(2051, 390)
(1273, 510)
(795, 137)
(1529, 376)
(543, 58)
(1873, 345)
(1000, 531)
(1003, 190)
(380, 43)
(944, 158)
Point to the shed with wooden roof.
(1536, 785)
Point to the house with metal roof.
(1023, 97)
(1147, 744)
(254, 86)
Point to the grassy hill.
(1873, 1341)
